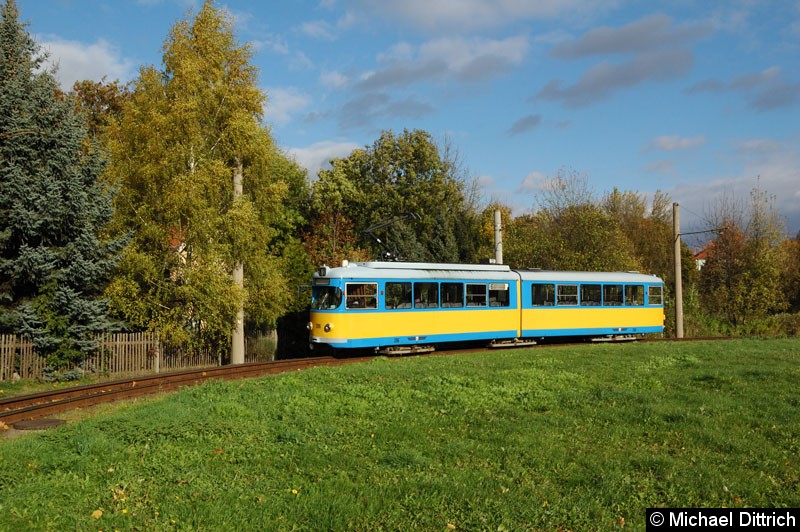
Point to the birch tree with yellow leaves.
(187, 131)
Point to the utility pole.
(676, 231)
(498, 237)
(237, 339)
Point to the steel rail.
(41, 404)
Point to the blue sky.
(697, 99)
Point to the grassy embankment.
(579, 438)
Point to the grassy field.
(567, 438)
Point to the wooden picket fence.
(17, 356)
(120, 354)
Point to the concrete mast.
(237, 339)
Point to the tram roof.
(427, 270)
(434, 266)
(587, 277)
(418, 270)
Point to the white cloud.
(532, 182)
(602, 80)
(365, 110)
(674, 142)
(647, 34)
(282, 103)
(318, 155)
(766, 90)
(333, 79)
(662, 166)
(447, 58)
(653, 49)
(322, 29)
(753, 80)
(350, 20)
(759, 147)
(771, 165)
(275, 43)
(466, 15)
(526, 123)
(468, 58)
(79, 61)
(402, 51)
(319, 29)
(300, 61)
(486, 181)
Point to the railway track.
(37, 405)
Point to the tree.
(402, 178)
(564, 190)
(100, 102)
(332, 237)
(791, 248)
(54, 264)
(185, 133)
(525, 242)
(569, 232)
(332, 240)
(648, 227)
(741, 280)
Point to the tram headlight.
(328, 327)
(309, 325)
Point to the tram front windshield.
(326, 298)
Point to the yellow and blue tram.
(397, 307)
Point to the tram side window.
(634, 295)
(590, 295)
(499, 295)
(426, 295)
(362, 295)
(568, 294)
(543, 295)
(655, 295)
(452, 295)
(398, 295)
(612, 295)
(476, 295)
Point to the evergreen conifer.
(54, 263)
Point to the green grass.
(573, 438)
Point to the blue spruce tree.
(54, 262)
